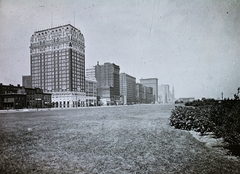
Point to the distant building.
(139, 93)
(91, 92)
(19, 97)
(108, 87)
(165, 95)
(172, 96)
(58, 64)
(36, 98)
(13, 101)
(27, 81)
(151, 82)
(127, 88)
(184, 100)
(68, 99)
(148, 96)
(90, 73)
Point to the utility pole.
(222, 95)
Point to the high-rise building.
(108, 87)
(27, 81)
(151, 82)
(165, 95)
(90, 73)
(172, 95)
(148, 96)
(91, 92)
(139, 93)
(58, 64)
(127, 88)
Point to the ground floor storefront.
(68, 99)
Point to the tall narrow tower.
(58, 60)
(173, 94)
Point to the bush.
(222, 118)
(191, 118)
(203, 102)
(226, 117)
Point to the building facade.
(68, 99)
(58, 63)
(27, 81)
(172, 96)
(151, 82)
(148, 96)
(165, 95)
(90, 73)
(19, 97)
(36, 98)
(139, 93)
(91, 92)
(127, 88)
(108, 87)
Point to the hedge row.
(222, 118)
(191, 118)
(203, 102)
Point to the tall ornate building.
(58, 64)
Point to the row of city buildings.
(114, 87)
(19, 97)
(58, 77)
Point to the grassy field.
(118, 139)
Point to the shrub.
(226, 117)
(191, 118)
(203, 102)
(222, 118)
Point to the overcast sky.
(189, 44)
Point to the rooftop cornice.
(61, 26)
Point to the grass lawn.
(116, 139)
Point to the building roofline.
(56, 28)
(128, 75)
(149, 79)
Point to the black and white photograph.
(119, 86)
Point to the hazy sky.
(192, 45)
